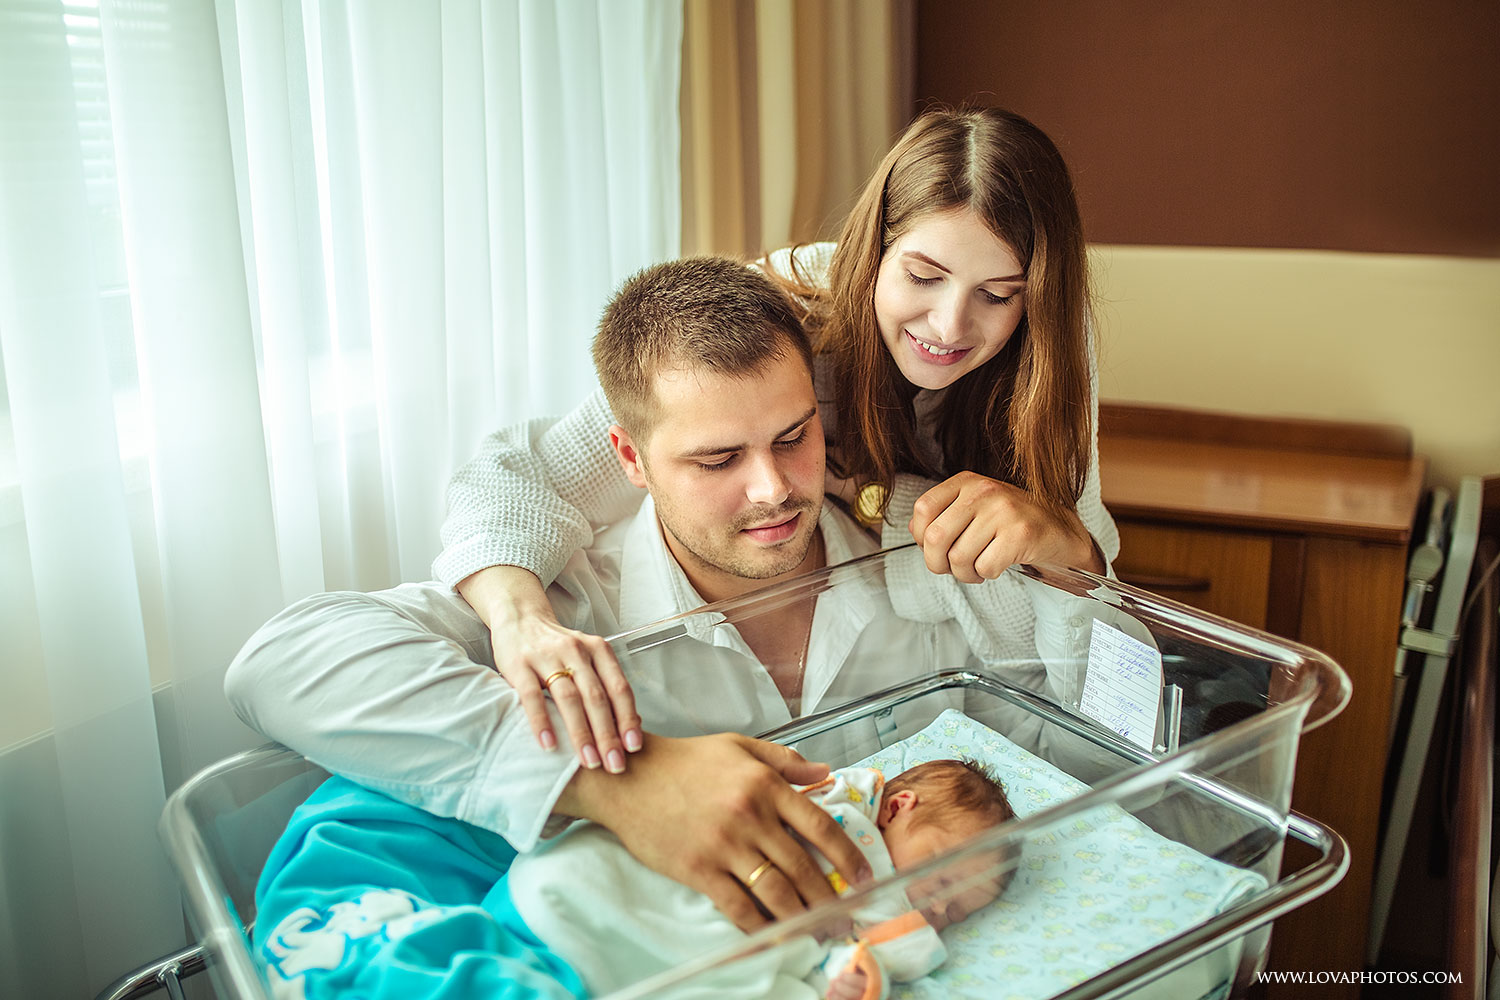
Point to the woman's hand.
(975, 527)
(537, 655)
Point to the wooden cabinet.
(1299, 528)
(1225, 572)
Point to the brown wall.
(1370, 125)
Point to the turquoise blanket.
(366, 897)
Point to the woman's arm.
(1091, 510)
(532, 647)
(534, 494)
(517, 512)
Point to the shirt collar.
(654, 587)
(652, 584)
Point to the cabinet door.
(1225, 573)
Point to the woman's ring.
(760, 870)
(556, 676)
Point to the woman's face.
(948, 295)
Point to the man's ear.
(628, 454)
(894, 805)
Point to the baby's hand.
(847, 985)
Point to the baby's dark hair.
(954, 789)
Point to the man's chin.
(768, 562)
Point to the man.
(709, 374)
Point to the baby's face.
(942, 906)
(910, 845)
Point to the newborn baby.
(616, 922)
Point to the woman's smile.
(935, 354)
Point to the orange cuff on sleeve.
(889, 930)
(863, 961)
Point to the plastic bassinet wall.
(1208, 786)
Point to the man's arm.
(394, 691)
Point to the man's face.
(735, 466)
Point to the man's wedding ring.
(760, 870)
(556, 676)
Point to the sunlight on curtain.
(787, 106)
(268, 271)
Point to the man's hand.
(975, 527)
(538, 656)
(709, 811)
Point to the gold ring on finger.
(556, 675)
(760, 870)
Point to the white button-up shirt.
(397, 690)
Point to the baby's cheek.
(936, 918)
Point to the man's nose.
(767, 483)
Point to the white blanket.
(616, 922)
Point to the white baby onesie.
(902, 942)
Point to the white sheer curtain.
(268, 270)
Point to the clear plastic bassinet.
(1138, 864)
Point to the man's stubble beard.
(742, 563)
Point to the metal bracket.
(165, 973)
(168, 978)
(1420, 640)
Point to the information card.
(1122, 689)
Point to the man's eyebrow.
(919, 255)
(707, 450)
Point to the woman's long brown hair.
(1023, 416)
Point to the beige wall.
(1401, 339)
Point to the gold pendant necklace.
(794, 697)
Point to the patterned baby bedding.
(1087, 895)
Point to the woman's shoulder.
(804, 263)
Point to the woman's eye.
(793, 441)
(999, 300)
(920, 281)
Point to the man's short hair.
(710, 313)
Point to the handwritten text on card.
(1122, 689)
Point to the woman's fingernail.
(616, 762)
(549, 742)
(590, 756)
(864, 874)
(632, 740)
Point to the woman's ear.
(894, 805)
(628, 454)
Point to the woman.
(950, 327)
